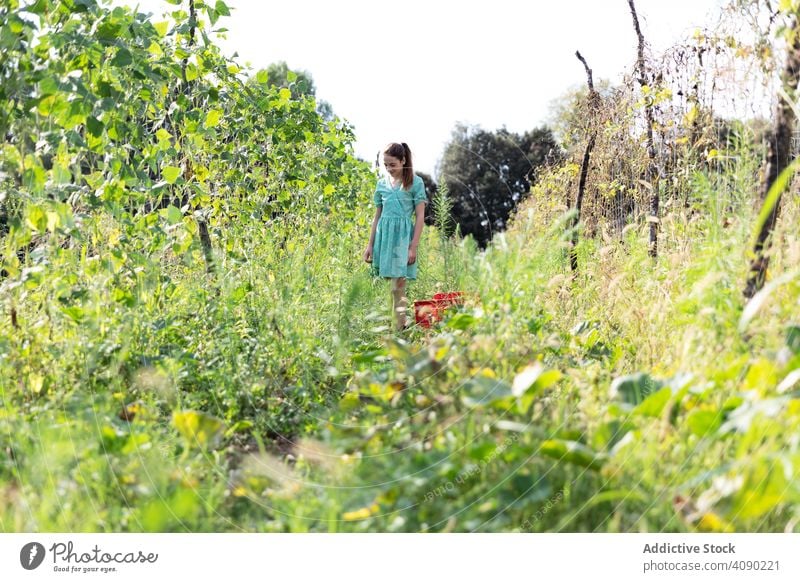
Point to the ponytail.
(408, 167)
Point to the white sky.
(409, 70)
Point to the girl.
(392, 247)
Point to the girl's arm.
(378, 211)
(368, 250)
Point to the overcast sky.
(410, 70)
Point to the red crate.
(427, 312)
(454, 297)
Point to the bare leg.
(399, 301)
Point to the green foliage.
(143, 393)
(488, 173)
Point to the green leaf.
(654, 404)
(94, 126)
(191, 72)
(212, 118)
(704, 422)
(610, 433)
(793, 337)
(174, 214)
(112, 440)
(61, 174)
(262, 77)
(369, 356)
(633, 389)
(48, 86)
(461, 321)
(123, 58)
(285, 94)
(171, 174)
(198, 428)
(74, 312)
(762, 373)
(239, 426)
(34, 176)
(36, 218)
(766, 484)
(572, 452)
(83, 5)
(222, 8)
(531, 382)
(40, 7)
(10, 155)
(534, 378)
(108, 31)
(161, 28)
(773, 196)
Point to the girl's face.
(393, 165)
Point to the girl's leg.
(399, 301)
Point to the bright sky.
(410, 70)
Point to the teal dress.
(395, 228)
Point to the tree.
(568, 116)
(300, 83)
(489, 172)
(780, 162)
(651, 173)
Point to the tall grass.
(650, 409)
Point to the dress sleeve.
(377, 196)
(419, 192)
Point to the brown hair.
(402, 151)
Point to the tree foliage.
(489, 172)
(105, 109)
(300, 83)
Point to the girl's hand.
(368, 255)
(412, 255)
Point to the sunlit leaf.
(222, 8)
(171, 174)
(198, 428)
(766, 485)
(212, 118)
(191, 72)
(161, 27)
(653, 404)
(704, 422)
(461, 321)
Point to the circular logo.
(32, 555)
